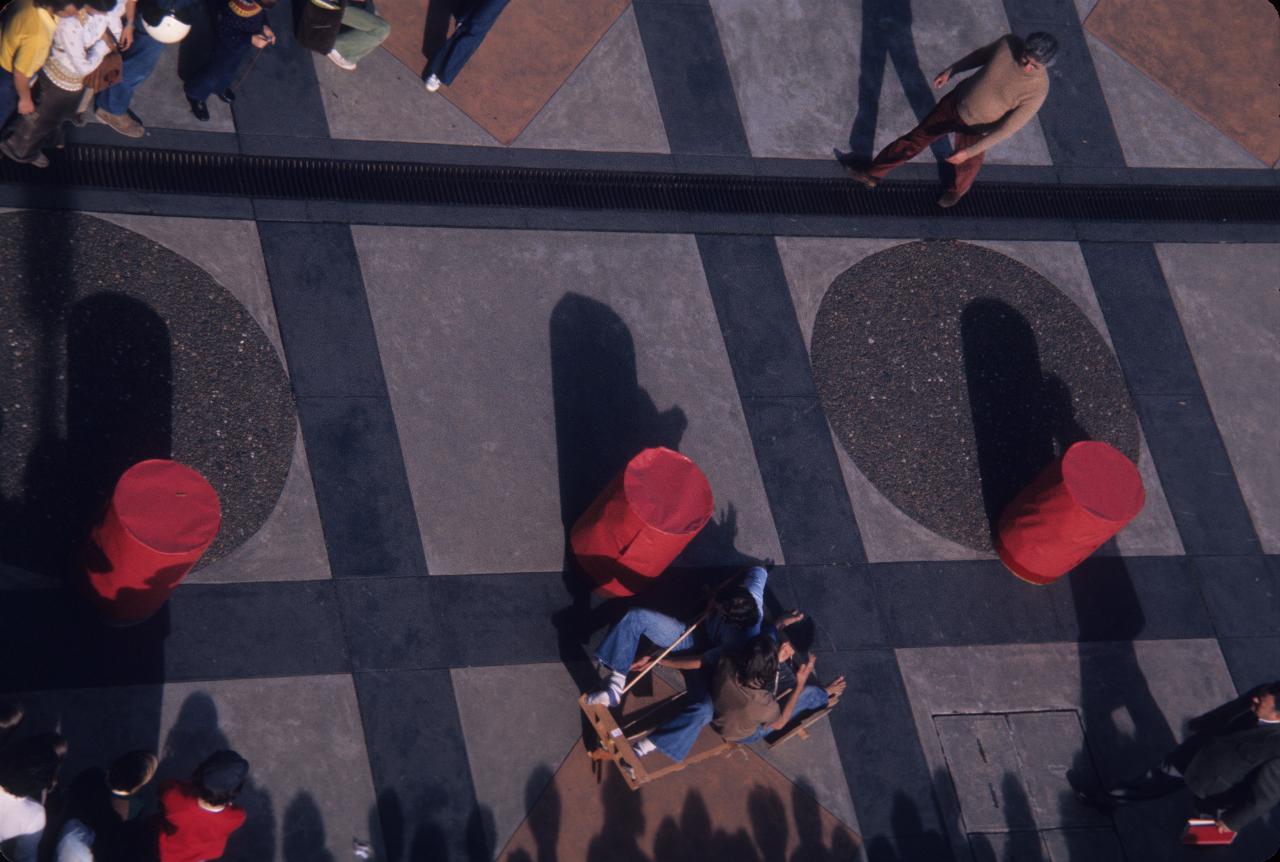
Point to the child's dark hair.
(220, 777)
(738, 606)
(129, 772)
(100, 6)
(29, 766)
(757, 664)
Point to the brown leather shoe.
(949, 200)
(126, 124)
(861, 176)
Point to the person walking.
(140, 52)
(983, 110)
(80, 43)
(477, 18)
(1230, 763)
(25, 41)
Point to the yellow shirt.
(28, 33)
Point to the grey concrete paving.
(470, 378)
(1230, 311)
(290, 545)
(385, 101)
(310, 790)
(796, 66)
(811, 265)
(519, 722)
(1120, 691)
(607, 104)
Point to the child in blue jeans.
(241, 24)
(737, 694)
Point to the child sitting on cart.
(735, 617)
(737, 693)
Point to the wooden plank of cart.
(615, 741)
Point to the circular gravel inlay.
(117, 349)
(953, 374)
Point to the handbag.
(319, 23)
(109, 71)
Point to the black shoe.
(199, 109)
(228, 95)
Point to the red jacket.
(189, 833)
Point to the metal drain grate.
(291, 178)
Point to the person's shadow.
(603, 418)
(886, 36)
(1022, 418)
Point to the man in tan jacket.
(983, 110)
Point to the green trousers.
(361, 33)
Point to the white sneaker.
(432, 83)
(340, 61)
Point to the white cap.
(169, 30)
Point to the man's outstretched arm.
(973, 60)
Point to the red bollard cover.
(641, 521)
(1078, 502)
(161, 519)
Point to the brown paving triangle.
(1220, 58)
(530, 52)
(735, 808)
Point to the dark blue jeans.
(139, 62)
(219, 72)
(473, 25)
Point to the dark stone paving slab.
(953, 375)
(113, 364)
(691, 79)
(324, 317)
(280, 95)
(1076, 124)
(1197, 476)
(426, 800)
(369, 522)
(792, 446)
(206, 631)
(889, 779)
(1242, 593)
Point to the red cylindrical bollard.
(1078, 502)
(162, 517)
(641, 521)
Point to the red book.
(1205, 832)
